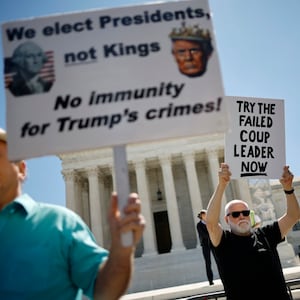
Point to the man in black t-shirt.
(247, 258)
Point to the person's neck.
(8, 198)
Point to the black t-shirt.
(249, 266)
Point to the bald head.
(231, 205)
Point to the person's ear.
(226, 219)
(22, 170)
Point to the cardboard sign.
(111, 77)
(255, 142)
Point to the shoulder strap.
(264, 239)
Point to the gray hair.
(235, 201)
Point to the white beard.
(242, 227)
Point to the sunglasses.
(236, 214)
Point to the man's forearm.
(292, 206)
(214, 205)
(113, 278)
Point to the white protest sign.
(109, 77)
(255, 142)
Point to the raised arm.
(292, 215)
(115, 274)
(214, 206)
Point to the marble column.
(73, 196)
(78, 195)
(143, 191)
(95, 204)
(214, 166)
(113, 175)
(69, 177)
(172, 206)
(85, 203)
(193, 185)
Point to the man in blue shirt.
(48, 252)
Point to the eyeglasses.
(236, 214)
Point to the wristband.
(289, 192)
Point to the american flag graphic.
(47, 72)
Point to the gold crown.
(193, 33)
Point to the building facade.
(175, 180)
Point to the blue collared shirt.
(46, 252)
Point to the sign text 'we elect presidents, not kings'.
(113, 76)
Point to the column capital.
(190, 155)
(69, 175)
(92, 171)
(164, 159)
(78, 180)
(140, 163)
(85, 185)
(212, 152)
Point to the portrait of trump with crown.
(191, 48)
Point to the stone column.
(172, 206)
(113, 176)
(69, 177)
(214, 166)
(85, 203)
(73, 200)
(142, 186)
(78, 196)
(95, 204)
(193, 185)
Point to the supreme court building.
(175, 180)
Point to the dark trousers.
(206, 250)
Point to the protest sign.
(110, 77)
(255, 141)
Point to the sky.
(258, 45)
